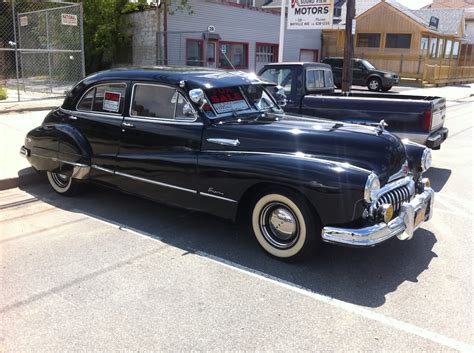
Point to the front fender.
(414, 152)
(335, 190)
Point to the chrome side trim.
(103, 169)
(155, 182)
(217, 197)
(100, 115)
(164, 121)
(224, 141)
(297, 155)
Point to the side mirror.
(197, 95)
(280, 96)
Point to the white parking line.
(348, 307)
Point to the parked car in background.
(363, 74)
(217, 142)
(310, 90)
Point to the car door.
(358, 73)
(98, 117)
(159, 145)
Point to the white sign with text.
(310, 14)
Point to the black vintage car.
(218, 142)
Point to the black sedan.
(218, 142)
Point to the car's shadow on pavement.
(358, 276)
(438, 177)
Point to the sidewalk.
(30, 105)
(451, 93)
(14, 169)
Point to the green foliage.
(3, 93)
(104, 25)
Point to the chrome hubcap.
(279, 225)
(60, 180)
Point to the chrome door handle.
(224, 142)
(72, 117)
(129, 125)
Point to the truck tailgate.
(438, 113)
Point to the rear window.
(104, 98)
(318, 79)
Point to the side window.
(328, 78)
(153, 101)
(314, 79)
(109, 98)
(106, 98)
(281, 76)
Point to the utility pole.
(159, 51)
(348, 48)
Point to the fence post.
(83, 66)
(49, 52)
(16, 51)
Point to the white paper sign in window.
(111, 101)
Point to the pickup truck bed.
(417, 118)
(309, 88)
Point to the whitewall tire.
(283, 225)
(61, 183)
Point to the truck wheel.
(386, 89)
(63, 184)
(284, 225)
(374, 84)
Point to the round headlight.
(426, 160)
(372, 187)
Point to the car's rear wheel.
(62, 184)
(374, 84)
(284, 225)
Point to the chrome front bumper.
(402, 226)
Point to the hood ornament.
(381, 126)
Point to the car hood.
(383, 72)
(362, 146)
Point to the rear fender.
(59, 148)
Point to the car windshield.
(240, 99)
(368, 65)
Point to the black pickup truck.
(309, 88)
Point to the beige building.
(424, 44)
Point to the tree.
(104, 36)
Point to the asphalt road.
(107, 271)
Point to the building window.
(439, 53)
(309, 55)
(194, 52)
(368, 40)
(456, 50)
(233, 55)
(266, 53)
(398, 41)
(424, 44)
(447, 50)
(337, 11)
(433, 47)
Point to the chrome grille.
(396, 197)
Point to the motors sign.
(310, 14)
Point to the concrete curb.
(26, 109)
(27, 176)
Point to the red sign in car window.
(111, 101)
(227, 99)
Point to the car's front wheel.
(62, 184)
(386, 88)
(284, 225)
(374, 84)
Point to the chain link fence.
(41, 48)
